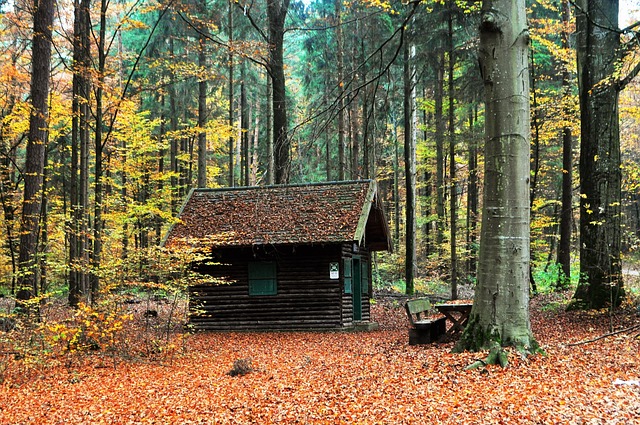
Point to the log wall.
(307, 298)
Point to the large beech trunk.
(500, 314)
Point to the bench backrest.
(418, 306)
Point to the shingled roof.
(285, 214)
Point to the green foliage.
(547, 277)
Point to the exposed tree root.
(497, 356)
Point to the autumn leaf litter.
(348, 378)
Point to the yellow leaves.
(88, 329)
(130, 24)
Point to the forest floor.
(345, 378)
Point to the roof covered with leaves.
(284, 214)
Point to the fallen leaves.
(345, 378)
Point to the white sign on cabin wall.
(334, 270)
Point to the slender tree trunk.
(566, 214)
(202, 104)
(271, 165)
(35, 154)
(173, 141)
(367, 103)
(500, 313)
(535, 167)
(244, 126)
(428, 185)
(598, 46)
(44, 234)
(396, 185)
(472, 198)
(254, 148)
(410, 163)
(452, 159)
(161, 154)
(79, 136)
(439, 138)
(99, 145)
(231, 115)
(341, 103)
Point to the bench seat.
(423, 329)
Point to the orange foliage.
(347, 378)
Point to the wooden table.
(457, 314)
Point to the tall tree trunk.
(428, 184)
(271, 164)
(202, 103)
(472, 198)
(396, 185)
(232, 178)
(341, 103)
(566, 214)
(439, 138)
(452, 158)
(410, 163)
(500, 313)
(254, 149)
(598, 46)
(173, 141)
(99, 146)
(367, 103)
(277, 12)
(35, 154)
(79, 136)
(244, 126)
(44, 233)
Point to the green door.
(357, 289)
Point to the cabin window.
(365, 277)
(348, 279)
(262, 278)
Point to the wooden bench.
(424, 329)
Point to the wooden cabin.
(290, 256)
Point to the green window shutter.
(365, 277)
(262, 278)
(348, 276)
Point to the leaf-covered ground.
(348, 378)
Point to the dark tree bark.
(244, 127)
(271, 165)
(566, 214)
(598, 47)
(202, 103)
(277, 13)
(231, 182)
(439, 138)
(452, 158)
(79, 139)
(173, 142)
(35, 154)
(96, 257)
(472, 198)
(341, 104)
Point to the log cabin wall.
(307, 297)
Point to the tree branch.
(629, 329)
